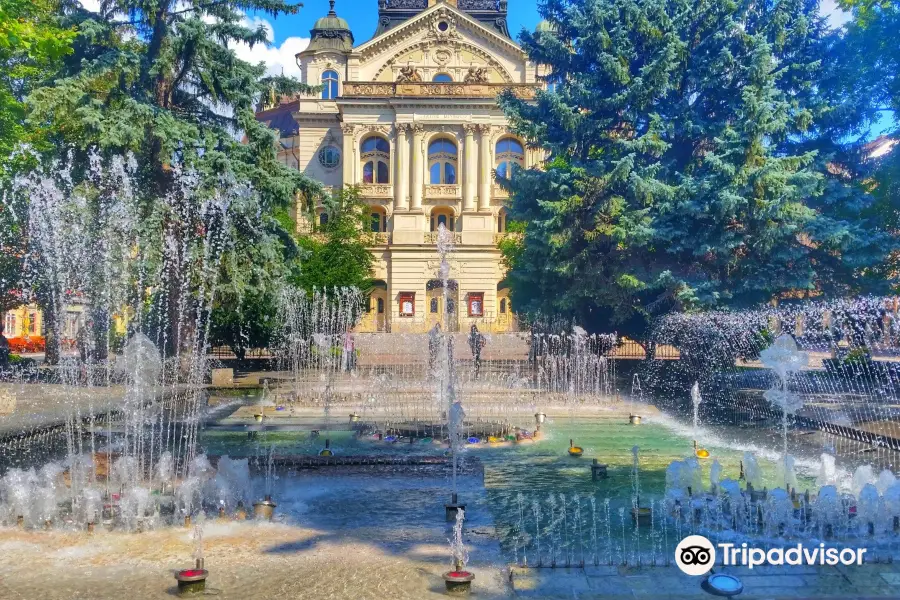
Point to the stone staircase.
(412, 348)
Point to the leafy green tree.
(674, 181)
(32, 46)
(161, 81)
(338, 253)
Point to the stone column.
(349, 156)
(418, 168)
(484, 195)
(471, 165)
(401, 170)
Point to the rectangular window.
(32, 323)
(476, 304)
(10, 325)
(407, 304)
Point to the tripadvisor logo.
(695, 555)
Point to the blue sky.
(290, 34)
(362, 15)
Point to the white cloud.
(91, 5)
(278, 59)
(837, 16)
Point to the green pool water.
(518, 475)
(543, 466)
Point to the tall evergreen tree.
(160, 80)
(673, 181)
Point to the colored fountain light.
(574, 450)
(192, 582)
(326, 451)
(723, 585)
(264, 509)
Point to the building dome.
(331, 32)
(331, 21)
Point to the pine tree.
(160, 80)
(673, 180)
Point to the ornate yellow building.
(411, 116)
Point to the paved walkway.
(669, 583)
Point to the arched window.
(329, 85)
(323, 218)
(378, 220)
(501, 221)
(442, 78)
(503, 306)
(509, 152)
(442, 216)
(375, 156)
(434, 305)
(381, 306)
(442, 161)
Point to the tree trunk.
(51, 334)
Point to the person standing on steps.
(477, 342)
(4, 350)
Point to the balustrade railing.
(431, 237)
(376, 190)
(456, 89)
(442, 190)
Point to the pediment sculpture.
(476, 75)
(408, 75)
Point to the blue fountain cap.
(723, 584)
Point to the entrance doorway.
(436, 310)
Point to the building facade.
(411, 117)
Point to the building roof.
(331, 32)
(490, 13)
(281, 119)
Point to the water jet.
(454, 507)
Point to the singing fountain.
(794, 437)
